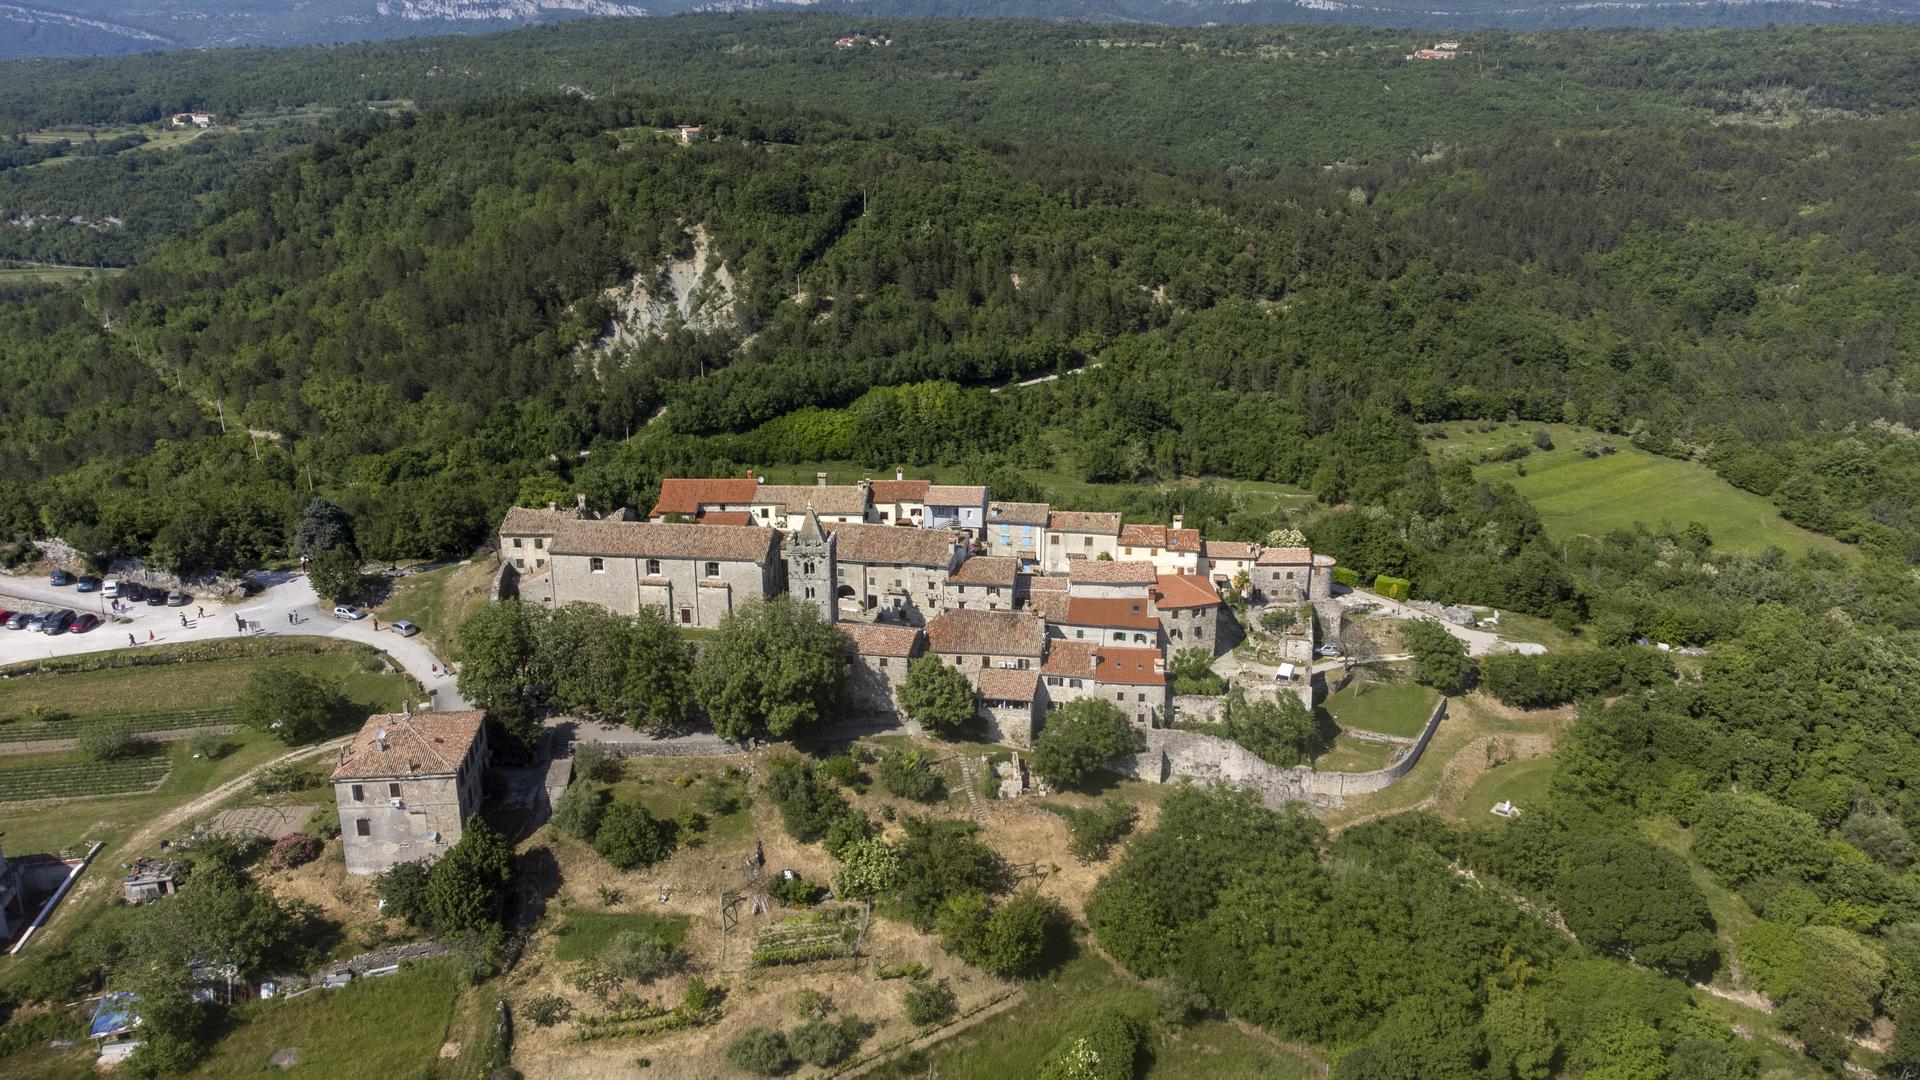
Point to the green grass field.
(1397, 709)
(583, 935)
(1014, 1042)
(1523, 783)
(1578, 495)
(439, 601)
(1348, 754)
(52, 275)
(390, 1026)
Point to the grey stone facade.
(406, 786)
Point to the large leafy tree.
(1622, 894)
(1439, 659)
(942, 858)
(467, 889)
(581, 652)
(323, 526)
(1279, 729)
(774, 668)
(658, 688)
(498, 646)
(628, 836)
(1079, 737)
(291, 705)
(335, 575)
(938, 697)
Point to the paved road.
(264, 614)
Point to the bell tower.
(812, 576)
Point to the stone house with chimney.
(1072, 534)
(406, 786)
(708, 501)
(1016, 530)
(526, 533)
(1292, 575)
(1133, 680)
(1174, 550)
(895, 568)
(1191, 614)
(1010, 702)
(986, 639)
(1225, 560)
(985, 583)
(878, 656)
(697, 574)
(1101, 579)
(898, 501)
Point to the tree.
(928, 1004)
(580, 652)
(578, 812)
(1439, 659)
(1192, 671)
(291, 705)
(941, 858)
(773, 668)
(323, 527)
(468, 886)
(658, 689)
(808, 808)
(1080, 737)
(869, 869)
(1008, 940)
(1278, 729)
(1105, 1048)
(937, 696)
(629, 836)
(824, 1043)
(109, 738)
(497, 654)
(905, 773)
(403, 892)
(335, 575)
(760, 1052)
(1624, 895)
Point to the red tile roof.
(894, 491)
(1071, 659)
(723, 517)
(1120, 614)
(1046, 583)
(893, 545)
(685, 495)
(987, 570)
(1103, 572)
(1159, 536)
(1077, 521)
(680, 540)
(1130, 667)
(1184, 591)
(1008, 684)
(1001, 633)
(1016, 513)
(873, 639)
(399, 746)
(1231, 549)
(1291, 556)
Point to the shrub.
(1192, 671)
(639, 957)
(807, 807)
(825, 1042)
(108, 739)
(1107, 1048)
(794, 891)
(868, 869)
(841, 769)
(1347, 576)
(1439, 659)
(1009, 940)
(548, 1010)
(207, 747)
(324, 822)
(577, 814)
(724, 794)
(293, 849)
(1542, 439)
(929, 1004)
(846, 830)
(594, 762)
(1095, 829)
(1278, 619)
(760, 1052)
(1180, 1001)
(628, 836)
(1393, 588)
(403, 892)
(904, 773)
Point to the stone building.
(1292, 575)
(526, 534)
(1010, 702)
(407, 785)
(985, 583)
(1101, 579)
(897, 568)
(1175, 550)
(985, 639)
(1046, 595)
(898, 501)
(697, 574)
(1108, 622)
(1191, 614)
(879, 656)
(1072, 534)
(812, 576)
(1016, 529)
(957, 506)
(1225, 560)
(1133, 680)
(696, 498)
(785, 506)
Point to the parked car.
(156, 597)
(18, 620)
(84, 623)
(176, 598)
(61, 577)
(403, 628)
(111, 588)
(348, 612)
(57, 622)
(87, 584)
(132, 592)
(4, 616)
(1328, 650)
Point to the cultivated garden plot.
(139, 723)
(82, 778)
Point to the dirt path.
(179, 815)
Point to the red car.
(83, 624)
(5, 615)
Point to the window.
(1053, 539)
(517, 542)
(1120, 695)
(993, 590)
(883, 661)
(1087, 542)
(1143, 697)
(1200, 632)
(840, 572)
(597, 564)
(809, 592)
(653, 567)
(686, 616)
(359, 793)
(520, 563)
(896, 583)
(713, 569)
(540, 543)
(1023, 663)
(1079, 633)
(362, 827)
(1174, 634)
(393, 791)
(983, 661)
(806, 568)
(1075, 684)
(1053, 680)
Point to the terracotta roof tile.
(1103, 572)
(1017, 513)
(902, 545)
(1077, 521)
(1231, 549)
(828, 499)
(1047, 583)
(723, 517)
(685, 495)
(1071, 659)
(1121, 614)
(987, 570)
(1003, 633)
(956, 495)
(1184, 591)
(1051, 606)
(639, 539)
(1008, 684)
(397, 745)
(1291, 556)
(896, 491)
(527, 521)
(874, 639)
(1129, 667)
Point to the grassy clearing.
(52, 275)
(583, 935)
(62, 775)
(1014, 1042)
(1578, 495)
(1397, 709)
(656, 785)
(192, 685)
(390, 1026)
(439, 601)
(1353, 755)
(1524, 783)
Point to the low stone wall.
(1175, 755)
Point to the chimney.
(749, 472)
(899, 472)
(553, 506)
(580, 501)
(819, 479)
(1179, 520)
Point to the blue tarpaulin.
(117, 1014)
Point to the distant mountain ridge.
(112, 27)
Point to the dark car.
(57, 622)
(84, 623)
(61, 577)
(132, 592)
(156, 598)
(86, 584)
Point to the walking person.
(149, 636)
(131, 641)
(183, 618)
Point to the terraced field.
(141, 723)
(21, 784)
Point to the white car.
(348, 612)
(111, 588)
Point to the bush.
(1393, 588)
(403, 892)
(108, 739)
(639, 957)
(1107, 1048)
(1180, 1001)
(1009, 940)
(548, 1010)
(592, 761)
(1095, 829)
(1192, 671)
(1278, 619)
(208, 747)
(807, 807)
(1347, 576)
(1439, 659)
(629, 836)
(904, 773)
(794, 891)
(760, 1052)
(324, 822)
(841, 769)
(1079, 738)
(577, 814)
(293, 849)
(825, 1042)
(929, 1004)
(1542, 439)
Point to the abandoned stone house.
(406, 785)
(1291, 575)
(985, 583)
(900, 569)
(986, 639)
(878, 655)
(1072, 534)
